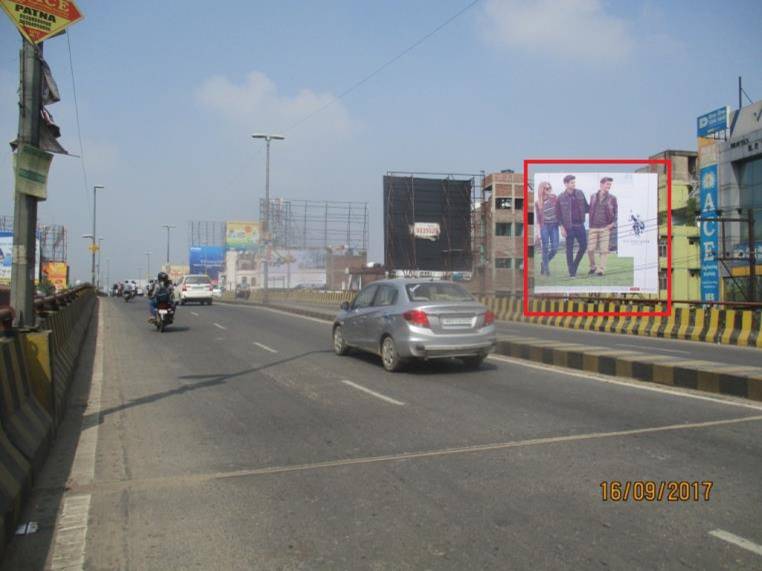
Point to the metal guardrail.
(50, 303)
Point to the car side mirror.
(345, 305)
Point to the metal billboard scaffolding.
(206, 233)
(54, 243)
(316, 224)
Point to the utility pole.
(25, 206)
(168, 227)
(93, 246)
(108, 274)
(148, 266)
(266, 229)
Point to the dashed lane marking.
(374, 393)
(217, 325)
(737, 540)
(265, 347)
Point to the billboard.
(242, 236)
(710, 269)
(57, 273)
(208, 260)
(712, 122)
(175, 271)
(292, 268)
(6, 258)
(596, 232)
(427, 224)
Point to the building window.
(503, 263)
(519, 203)
(750, 177)
(663, 280)
(519, 229)
(662, 247)
(519, 263)
(530, 251)
(503, 203)
(502, 228)
(530, 218)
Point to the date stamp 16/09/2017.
(656, 491)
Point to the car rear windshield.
(197, 280)
(437, 292)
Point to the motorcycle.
(128, 295)
(165, 315)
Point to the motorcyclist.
(161, 292)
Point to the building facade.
(499, 236)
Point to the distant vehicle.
(242, 291)
(217, 292)
(140, 291)
(402, 320)
(194, 288)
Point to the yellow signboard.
(93, 248)
(57, 273)
(38, 20)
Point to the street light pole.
(266, 230)
(100, 248)
(93, 246)
(148, 266)
(168, 227)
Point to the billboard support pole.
(752, 258)
(25, 211)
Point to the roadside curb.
(707, 376)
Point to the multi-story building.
(499, 233)
(686, 267)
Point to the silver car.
(415, 319)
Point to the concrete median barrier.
(15, 481)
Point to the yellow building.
(686, 268)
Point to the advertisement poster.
(710, 269)
(242, 236)
(596, 233)
(57, 273)
(6, 258)
(208, 260)
(293, 268)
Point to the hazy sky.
(170, 91)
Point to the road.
(237, 440)
(678, 348)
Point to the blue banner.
(209, 260)
(710, 271)
(712, 122)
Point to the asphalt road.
(678, 348)
(237, 440)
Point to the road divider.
(727, 326)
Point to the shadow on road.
(207, 381)
(432, 367)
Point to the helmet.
(162, 277)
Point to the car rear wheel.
(340, 346)
(389, 355)
(474, 362)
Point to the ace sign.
(38, 20)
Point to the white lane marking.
(194, 314)
(643, 348)
(736, 540)
(220, 326)
(265, 347)
(374, 393)
(280, 311)
(70, 541)
(632, 383)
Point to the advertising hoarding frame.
(664, 313)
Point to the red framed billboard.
(528, 163)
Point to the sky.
(169, 93)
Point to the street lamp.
(93, 247)
(168, 227)
(148, 266)
(266, 230)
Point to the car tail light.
(417, 317)
(185, 288)
(489, 318)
